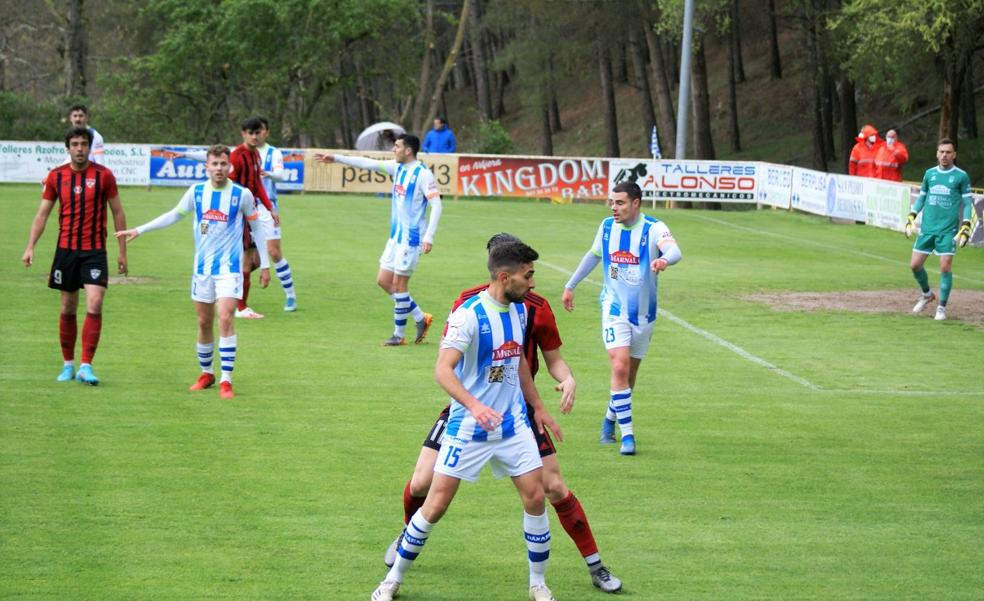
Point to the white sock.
(537, 531)
(286, 281)
(412, 541)
(416, 312)
(227, 356)
(401, 306)
(621, 404)
(205, 353)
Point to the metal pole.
(683, 100)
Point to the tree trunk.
(739, 64)
(425, 67)
(775, 62)
(545, 131)
(703, 142)
(553, 108)
(479, 65)
(665, 114)
(607, 97)
(733, 57)
(954, 70)
(348, 140)
(816, 87)
(849, 120)
(639, 74)
(459, 38)
(826, 89)
(75, 54)
(968, 105)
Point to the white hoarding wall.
(707, 181)
(775, 185)
(810, 191)
(888, 204)
(30, 162)
(130, 163)
(849, 198)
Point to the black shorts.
(433, 441)
(73, 269)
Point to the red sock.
(68, 331)
(410, 504)
(242, 301)
(572, 518)
(91, 328)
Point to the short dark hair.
(510, 256)
(947, 141)
(78, 107)
(252, 124)
(78, 132)
(500, 238)
(632, 189)
(442, 120)
(410, 141)
(217, 150)
(266, 124)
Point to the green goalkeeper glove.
(963, 234)
(910, 225)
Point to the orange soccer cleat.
(204, 381)
(225, 390)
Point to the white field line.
(840, 249)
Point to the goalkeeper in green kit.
(945, 202)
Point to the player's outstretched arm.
(324, 157)
(561, 372)
(37, 228)
(486, 417)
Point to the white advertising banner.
(887, 204)
(850, 199)
(130, 163)
(30, 162)
(813, 191)
(775, 185)
(708, 181)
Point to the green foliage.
(494, 139)
(23, 118)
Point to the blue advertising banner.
(169, 166)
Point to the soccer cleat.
(940, 313)
(923, 301)
(248, 313)
(394, 341)
(86, 376)
(386, 591)
(204, 381)
(290, 305)
(422, 326)
(628, 445)
(607, 432)
(389, 558)
(67, 374)
(605, 580)
(540, 592)
(225, 390)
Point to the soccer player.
(633, 248)
(541, 331)
(82, 189)
(272, 170)
(414, 188)
(943, 199)
(78, 116)
(220, 207)
(482, 367)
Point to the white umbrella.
(372, 137)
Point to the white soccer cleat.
(389, 558)
(386, 591)
(923, 301)
(248, 313)
(540, 592)
(940, 313)
(605, 580)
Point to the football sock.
(575, 523)
(946, 283)
(227, 356)
(622, 406)
(242, 302)
(923, 278)
(283, 272)
(415, 311)
(610, 413)
(411, 503)
(412, 541)
(91, 329)
(537, 531)
(68, 331)
(205, 352)
(401, 306)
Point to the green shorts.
(940, 244)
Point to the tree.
(775, 62)
(476, 42)
(665, 114)
(641, 81)
(607, 88)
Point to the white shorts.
(401, 259)
(513, 456)
(270, 230)
(616, 333)
(208, 288)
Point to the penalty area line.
(712, 338)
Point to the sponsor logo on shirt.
(508, 350)
(399, 189)
(77, 189)
(939, 189)
(213, 215)
(623, 257)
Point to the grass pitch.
(783, 455)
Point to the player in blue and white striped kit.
(634, 248)
(414, 188)
(482, 367)
(220, 208)
(272, 164)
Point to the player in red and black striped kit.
(247, 171)
(82, 189)
(541, 332)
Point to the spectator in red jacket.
(864, 152)
(891, 158)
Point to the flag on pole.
(654, 145)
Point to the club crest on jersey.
(213, 215)
(508, 350)
(95, 273)
(400, 189)
(90, 183)
(623, 257)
